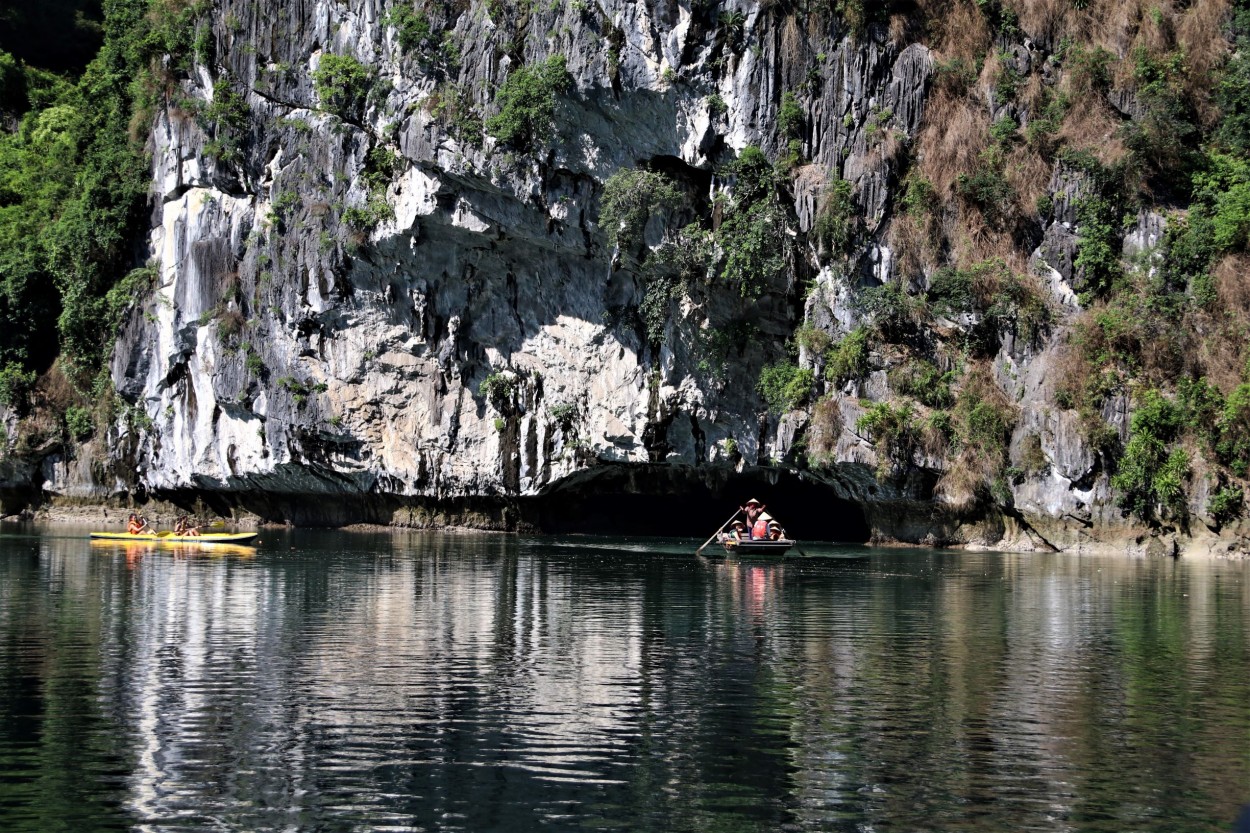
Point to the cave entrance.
(665, 501)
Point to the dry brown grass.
(826, 428)
(1091, 125)
(961, 483)
(1222, 352)
(53, 391)
(976, 242)
(955, 132)
(1028, 174)
(1200, 32)
(1046, 21)
(915, 244)
(958, 30)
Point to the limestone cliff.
(368, 308)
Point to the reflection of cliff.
(485, 682)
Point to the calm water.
(349, 681)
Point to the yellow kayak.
(170, 538)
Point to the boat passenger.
(775, 532)
(739, 531)
(182, 527)
(137, 524)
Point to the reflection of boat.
(754, 546)
(204, 538)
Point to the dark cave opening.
(658, 501)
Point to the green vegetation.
(417, 35)
(922, 380)
(790, 117)
(226, 119)
(73, 184)
(380, 168)
(848, 359)
(79, 422)
(894, 434)
(630, 198)
(785, 386)
(342, 84)
(527, 105)
(1153, 472)
(836, 223)
(753, 234)
(499, 388)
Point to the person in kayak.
(183, 527)
(137, 525)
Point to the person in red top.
(137, 524)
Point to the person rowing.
(137, 525)
(182, 527)
(757, 519)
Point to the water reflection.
(460, 682)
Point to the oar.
(699, 551)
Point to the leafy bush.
(79, 423)
(15, 385)
(836, 221)
(895, 314)
(987, 188)
(527, 104)
(754, 244)
(1098, 246)
(1233, 443)
(654, 309)
(1151, 475)
(417, 36)
(848, 359)
(922, 380)
(790, 117)
(1224, 186)
(227, 118)
(412, 28)
(499, 388)
(753, 236)
(894, 435)
(342, 83)
(630, 198)
(1226, 503)
(455, 110)
(784, 386)
(1165, 135)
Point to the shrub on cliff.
(1152, 474)
(893, 433)
(342, 83)
(848, 359)
(527, 105)
(630, 198)
(784, 386)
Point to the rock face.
(472, 352)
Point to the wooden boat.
(235, 538)
(755, 546)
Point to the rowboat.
(169, 538)
(755, 546)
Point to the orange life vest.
(134, 527)
(760, 530)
